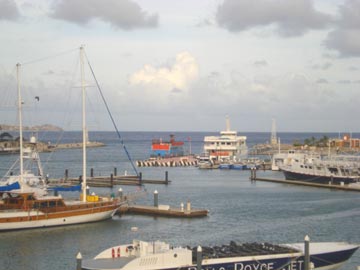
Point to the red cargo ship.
(172, 148)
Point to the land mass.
(46, 127)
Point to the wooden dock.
(162, 210)
(110, 181)
(302, 183)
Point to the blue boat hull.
(330, 260)
(317, 179)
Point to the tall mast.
(83, 121)
(20, 123)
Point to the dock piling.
(166, 177)
(111, 180)
(66, 174)
(199, 258)
(188, 206)
(307, 253)
(115, 171)
(92, 172)
(140, 178)
(120, 194)
(78, 261)
(156, 198)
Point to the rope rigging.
(111, 117)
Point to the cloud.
(260, 63)
(8, 10)
(344, 82)
(323, 66)
(322, 81)
(180, 75)
(345, 39)
(121, 14)
(291, 18)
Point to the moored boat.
(171, 148)
(228, 147)
(334, 170)
(141, 255)
(26, 203)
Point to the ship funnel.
(227, 123)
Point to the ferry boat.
(227, 147)
(141, 255)
(338, 170)
(172, 148)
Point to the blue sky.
(185, 65)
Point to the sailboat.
(23, 206)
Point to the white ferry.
(226, 147)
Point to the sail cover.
(67, 188)
(12, 186)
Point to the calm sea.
(239, 209)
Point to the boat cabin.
(27, 200)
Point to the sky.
(184, 65)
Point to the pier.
(253, 177)
(182, 161)
(163, 210)
(109, 181)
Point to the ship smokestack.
(227, 123)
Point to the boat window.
(301, 166)
(43, 204)
(36, 205)
(310, 167)
(30, 198)
(52, 203)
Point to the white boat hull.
(52, 222)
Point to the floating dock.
(109, 181)
(162, 210)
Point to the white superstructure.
(226, 147)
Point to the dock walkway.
(162, 210)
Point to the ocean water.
(240, 210)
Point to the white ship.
(226, 147)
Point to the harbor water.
(240, 210)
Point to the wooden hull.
(17, 220)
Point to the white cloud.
(179, 76)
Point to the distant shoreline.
(46, 127)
